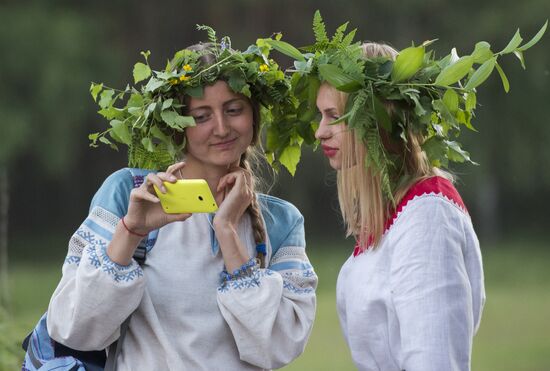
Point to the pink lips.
(329, 151)
(225, 144)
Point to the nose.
(324, 130)
(221, 126)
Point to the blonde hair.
(364, 208)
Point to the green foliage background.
(52, 50)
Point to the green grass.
(514, 333)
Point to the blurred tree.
(54, 50)
(48, 54)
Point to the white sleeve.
(437, 291)
(95, 295)
(271, 312)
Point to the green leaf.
(382, 115)
(106, 98)
(454, 72)
(121, 131)
(482, 52)
(337, 78)
(141, 72)
(194, 91)
(535, 39)
(176, 121)
(286, 49)
(153, 84)
(447, 118)
(148, 144)
(450, 99)
(210, 31)
(319, 29)
(93, 137)
(145, 54)
(136, 100)
(407, 63)
(312, 89)
(471, 101)
(105, 140)
(157, 133)
(95, 89)
(481, 74)
(456, 153)
(290, 157)
(167, 104)
(519, 55)
(505, 83)
(339, 34)
(513, 44)
(236, 81)
(436, 150)
(167, 75)
(348, 39)
(111, 113)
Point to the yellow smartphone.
(187, 196)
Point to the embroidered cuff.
(98, 258)
(246, 270)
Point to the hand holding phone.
(187, 196)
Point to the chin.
(335, 164)
(226, 160)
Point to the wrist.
(129, 227)
(121, 248)
(224, 227)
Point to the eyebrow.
(206, 106)
(330, 110)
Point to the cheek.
(246, 128)
(338, 134)
(195, 135)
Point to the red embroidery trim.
(436, 185)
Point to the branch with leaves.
(149, 118)
(436, 96)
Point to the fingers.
(239, 184)
(177, 217)
(140, 194)
(225, 181)
(237, 176)
(158, 180)
(175, 168)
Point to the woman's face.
(331, 106)
(224, 126)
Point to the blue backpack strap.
(42, 354)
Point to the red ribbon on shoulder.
(436, 185)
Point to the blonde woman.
(411, 295)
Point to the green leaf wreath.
(438, 95)
(148, 118)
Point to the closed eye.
(201, 116)
(235, 111)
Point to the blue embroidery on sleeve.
(72, 260)
(245, 282)
(287, 285)
(119, 273)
